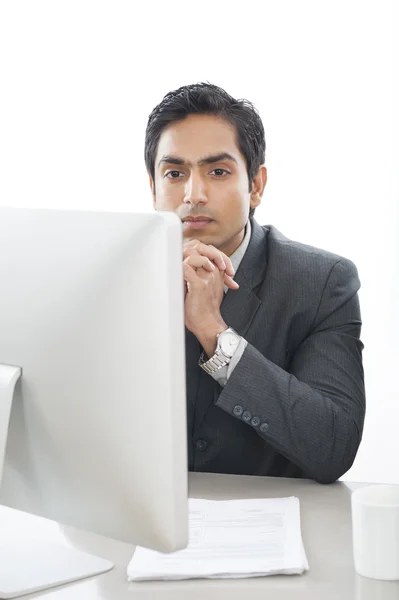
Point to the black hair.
(208, 99)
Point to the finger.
(229, 266)
(196, 261)
(222, 261)
(233, 285)
(227, 280)
(219, 258)
(189, 274)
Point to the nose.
(195, 191)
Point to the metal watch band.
(216, 362)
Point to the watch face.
(228, 343)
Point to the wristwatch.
(227, 343)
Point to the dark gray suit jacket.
(294, 406)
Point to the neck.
(231, 245)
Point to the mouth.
(196, 222)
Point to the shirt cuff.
(222, 376)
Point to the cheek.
(165, 197)
(238, 190)
(169, 203)
(237, 204)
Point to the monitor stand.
(39, 566)
(26, 569)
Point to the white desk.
(326, 528)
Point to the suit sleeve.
(313, 414)
(224, 374)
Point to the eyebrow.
(207, 160)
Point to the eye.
(174, 174)
(220, 172)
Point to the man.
(274, 361)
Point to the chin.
(203, 237)
(195, 234)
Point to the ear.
(258, 187)
(152, 186)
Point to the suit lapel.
(240, 306)
(238, 310)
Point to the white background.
(79, 78)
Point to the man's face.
(201, 175)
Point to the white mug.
(375, 531)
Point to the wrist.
(207, 336)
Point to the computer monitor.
(92, 360)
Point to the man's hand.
(202, 305)
(206, 270)
(198, 255)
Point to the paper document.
(231, 539)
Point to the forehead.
(198, 136)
